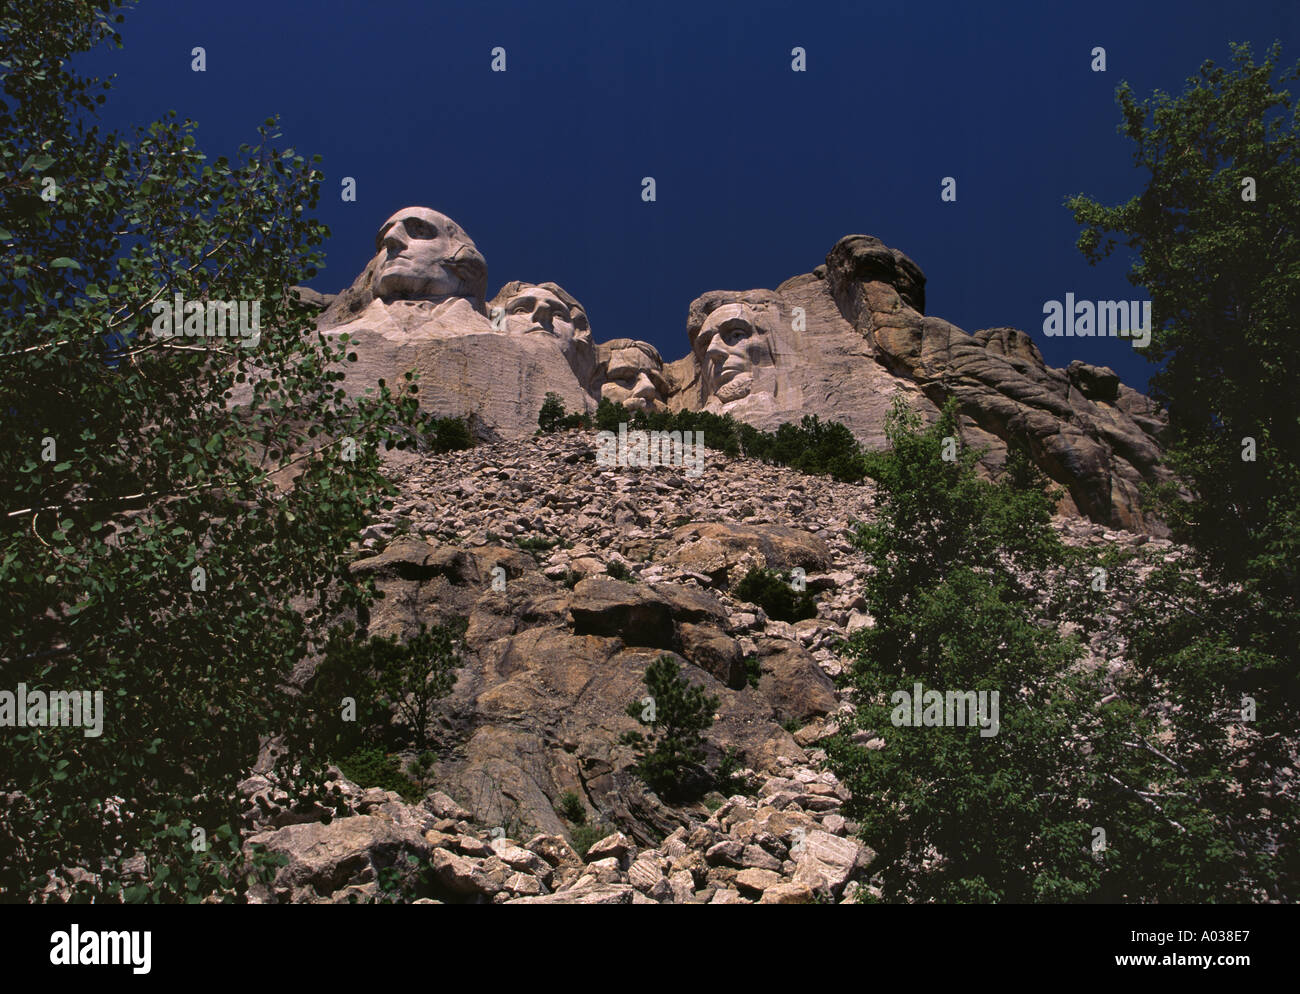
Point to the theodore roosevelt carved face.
(632, 375)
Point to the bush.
(536, 543)
(775, 596)
(676, 713)
(552, 418)
(583, 837)
(812, 446)
(371, 766)
(158, 560)
(962, 566)
(620, 572)
(385, 679)
(571, 808)
(449, 435)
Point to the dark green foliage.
(552, 417)
(421, 770)
(386, 679)
(1224, 279)
(1223, 274)
(957, 598)
(371, 766)
(583, 837)
(753, 671)
(449, 435)
(677, 714)
(571, 808)
(775, 596)
(620, 572)
(725, 780)
(156, 473)
(536, 543)
(812, 446)
(548, 419)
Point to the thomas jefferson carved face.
(425, 255)
(634, 376)
(730, 345)
(537, 310)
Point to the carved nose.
(395, 238)
(644, 387)
(545, 314)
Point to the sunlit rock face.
(631, 374)
(427, 279)
(846, 340)
(843, 342)
(424, 255)
(547, 311)
(419, 305)
(771, 356)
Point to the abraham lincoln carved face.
(732, 343)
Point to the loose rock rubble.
(574, 578)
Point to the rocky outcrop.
(786, 845)
(573, 579)
(842, 342)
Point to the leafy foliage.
(552, 417)
(449, 435)
(775, 596)
(371, 766)
(571, 808)
(1223, 273)
(958, 816)
(670, 753)
(816, 447)
(156, 471)
(385, 679)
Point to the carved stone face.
(425, 255)
(634, 376)
(535, 310)
(731, 345)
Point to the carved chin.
(735, 388)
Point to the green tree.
(959, 606)
(1216, 246)
(148, 553)
(386, 679)
(677, 713)
(775, 596)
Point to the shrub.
(158, 559)
(385, 679)
(371, 766)
(449, 435)
(536, 543)
(583, 837)
(676, 714)
(571, 808)
(552, 417)
(775, 596)
(619, 571)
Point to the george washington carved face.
(424, 255)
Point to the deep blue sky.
(759, 169)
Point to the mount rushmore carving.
(841, 342)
